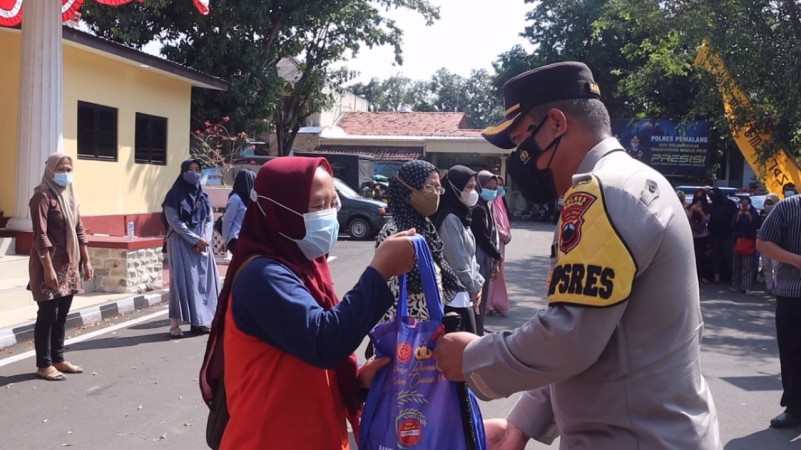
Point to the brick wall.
(132, 271)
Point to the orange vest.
(277, 401)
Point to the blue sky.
(469, 35)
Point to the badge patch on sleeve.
(594, 267)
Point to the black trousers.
(49, 330)
(788, 335)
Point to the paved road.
(140, 389)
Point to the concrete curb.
(88, 316)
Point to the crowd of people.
(613, 361)
(724, 235)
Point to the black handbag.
(218, 417)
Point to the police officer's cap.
(560, 81)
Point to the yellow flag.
(781, 168)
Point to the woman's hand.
(200, 245)
(88, 271)
(369, 369)
(476, 299)
(395, 256)
(51, 279)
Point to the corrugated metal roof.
(377, 152)
(428, 124)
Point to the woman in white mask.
(59, 243)
(453, 221)
(291, 377)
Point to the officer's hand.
(503, 435)
(395, 256)
(449, 353)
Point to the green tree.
(643, 53)
(484, 105)
(242, 42)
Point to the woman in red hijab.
(290, 375)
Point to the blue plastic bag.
(410, 403)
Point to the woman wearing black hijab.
(453, 221)
(484, 229)
(413, 197)
(238, 201)
(194, 282)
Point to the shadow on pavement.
(128, 341)
(525, 282)
(739, 325)
(760, 439)
(151, 325)
(5, 381)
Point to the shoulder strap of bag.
(426, 268)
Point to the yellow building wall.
(102, 187)
(105, 187)
(9, 95)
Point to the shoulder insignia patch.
(573, 210)
(593, 265)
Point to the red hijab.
(287, 180)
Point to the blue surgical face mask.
(501, 191)
(322, 230)
(789, 194)
(192, 178)
(488, 195)
(62, 179)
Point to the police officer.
(614, 361)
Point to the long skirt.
(498, 297)
(194, 283)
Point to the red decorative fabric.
(11, 10)
(10, 13)
(115, 2)
(68, 8)
(202, 6)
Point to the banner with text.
(671, 147)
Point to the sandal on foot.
(68, 367)
(200, 329)
(176, 332)
(50, 373)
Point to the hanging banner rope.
(11, 10)
(779, 169)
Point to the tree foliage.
(242, 43)
(443, 92)
(642, 54)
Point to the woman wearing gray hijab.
(59, 244)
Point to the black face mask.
(536, 185)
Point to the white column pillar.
(39, 122)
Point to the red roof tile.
(435, 124)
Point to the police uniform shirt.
(613, 362)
